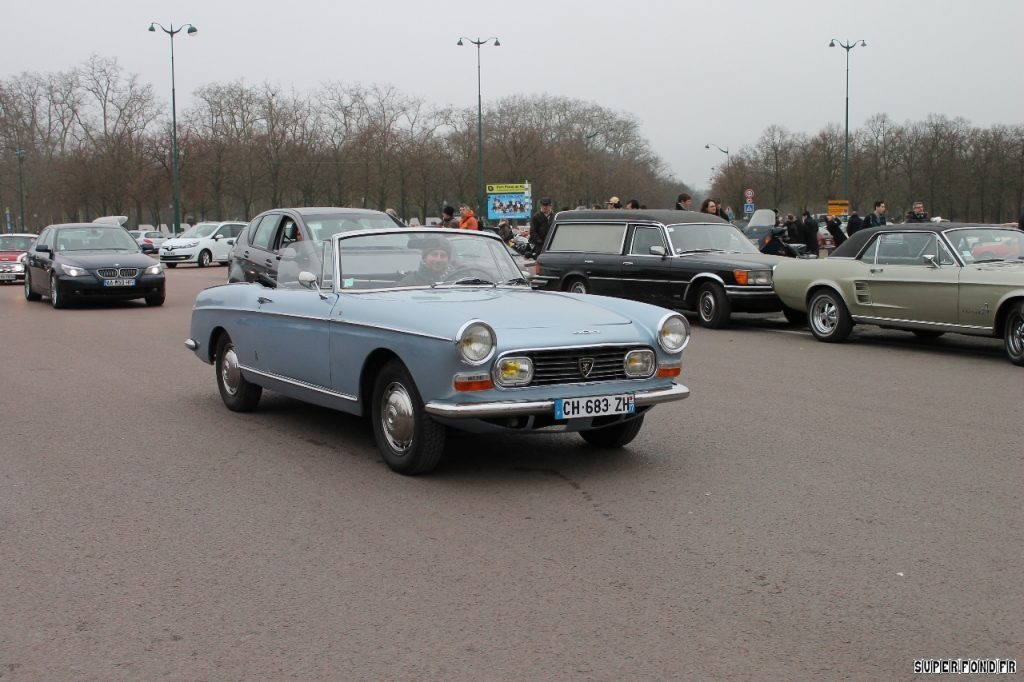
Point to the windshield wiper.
(516, 280)
(473, 280)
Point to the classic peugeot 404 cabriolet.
(428, 329)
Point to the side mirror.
(931, 261)
(231, 242)
(307, 279)
(43, 248)
(659, 251)
(217, 237)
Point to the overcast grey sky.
(691, 72)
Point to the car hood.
(181, 241)
(100, 259)
(10, 255)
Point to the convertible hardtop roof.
(663, 216)
(852, 246)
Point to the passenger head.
(436, 254)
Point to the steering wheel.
(469, 273)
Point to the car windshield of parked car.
(200, 231)
(95, 239)
(410, 258)
(9, 243)
(326, 226)
(706, 237)
(987, 245)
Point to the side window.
(945, 257)
(289, 232)
(265, 232)
(588, 237)
(46, 238)
(235, 229)
(644, 238)
(221, 232)
(904, 248)
(869, 253)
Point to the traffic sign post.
(748, 208)
(748, 194)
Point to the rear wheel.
(410, 441)
(828, 317)
(204, 259)
(713, 306)
(577, 285)
(1013, 335)
(237, 393)
(29, 294)
(614, 436)
(927, 333)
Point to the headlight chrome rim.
(652, 362)
(665, 346)
(497, 376)
(461, 338)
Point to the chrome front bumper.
(511, 408)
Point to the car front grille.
(568, 365)
(113, 273)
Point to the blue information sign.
(748, 208)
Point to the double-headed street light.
(724, 151)
(846, 153)
(20, 153)
(479, 119)
(192, 30)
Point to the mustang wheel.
(237, 393)
(614, 436)
(1013, 335)
(577, 286)
(828, 317)
(927, 333)
(713, 305)
(204, 259)
(410, 441)
(29, 294)
(57, 299)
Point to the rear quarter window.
(588, 237)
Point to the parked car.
(926, 278)
(148, 240)
(677, 259)
(257, 253)
(91, 261)
(13, 252)
(202, 244)
(426, 329)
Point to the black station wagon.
(675, 259)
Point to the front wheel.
(713, 306)
(29, 294)
(204, 259)
(156, 299)
(828, 317)
(1013, 335)
(57, 298)
(410, 441)
(613, 436)
(238, 394)
(171, 265)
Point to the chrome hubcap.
(397, 419)
(230, 375)
(578, 288)
(825, 315)
(707, 305)
(54, 290)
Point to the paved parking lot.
(813, 510)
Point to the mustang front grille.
(576, 365)
(112, 273)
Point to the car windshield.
(10, 243)
(95, 239)
(705, 237)
(199, 231)
(326, 226)
(987, 244)
(412, 258)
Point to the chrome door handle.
(877, 269)
(627, 262)
(588, 262)
(263, 299)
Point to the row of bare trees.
(960, 172)
(97, 142)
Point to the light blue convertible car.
(428, 329)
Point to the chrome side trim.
(863, 319)
(511, 408)
(696, 279)
(300, 384)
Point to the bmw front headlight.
(73, 270)
(476, 342)
(155, 269)
(673, 333)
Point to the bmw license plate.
(595, 406)
(119, 282)
(6, 277)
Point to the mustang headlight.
(673, 333)
(73, 270)
(513, 371)
(639, 363)
(475, 342)
(155, 269)
(753, 277)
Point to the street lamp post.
(192, 30)
(479, 120)
(846, 152)
(20, 153)
(724, 151)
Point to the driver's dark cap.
(435, 244)
(546, 201)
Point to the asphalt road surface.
(812, 511)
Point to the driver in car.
(435, 264)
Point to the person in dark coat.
(683, 202)
(918, 214)
(809, 233)
(835, 228)
(877, 217)
(540, 223)
(854, 224)
(792, 229)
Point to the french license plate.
(595, 406)
(6, 277)
(119, 282)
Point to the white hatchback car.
(202, 244)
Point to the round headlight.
(673, 333)
(476, 342)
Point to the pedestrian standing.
(809, 233)
(448, 217)
(633, 204)
(877, 217)
(855, 223)
(540, 223)
(683, 202)
(917, 214)
(835, 228)
(468, 220)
